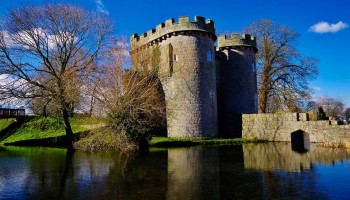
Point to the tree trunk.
(262, 101)
(44, 111)
(263, 95)
(45, 108)
(91, 105)
(265, 89)
(67, 127)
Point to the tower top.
(235, 40)
(165, 30)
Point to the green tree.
(283, 73)
(321, 115)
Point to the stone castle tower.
(191, 70)
(237, 84)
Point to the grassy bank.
(43, 127)
(103, 138)
(184, 142)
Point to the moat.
(249, 171)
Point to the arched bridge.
(12, 113)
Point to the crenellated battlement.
(170, 27)
(236, 40)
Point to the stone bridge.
(293, 127)
(11, 113)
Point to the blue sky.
(331, 48)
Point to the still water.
(250, 171)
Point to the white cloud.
(101, 7)
(7, 100)
(325, 27)
(317, 89)
(123, 44)
(22, 38)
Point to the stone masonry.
(279, 127)
(192, 76)
(237, 84)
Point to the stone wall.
(279, 127)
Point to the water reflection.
(280, 156)
(251, 171)
(210, 173)
(188, 171)
(38, 173)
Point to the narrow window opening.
(171, 60)
(210, 56)
(174, 58)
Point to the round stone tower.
(186, 68)
(237, 82)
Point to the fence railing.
(11, 113)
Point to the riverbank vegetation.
(99, 136)
(105, 139)
(183, 142)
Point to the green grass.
(4, 123)
(45, 127)
(184, 142)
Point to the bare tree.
(283, 74)
(334, 107)
(47, 51)
(133, 99)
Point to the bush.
(141, 108)
(105, 138)
(125, 123)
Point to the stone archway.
(300, 141)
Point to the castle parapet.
(235, 40)
(169, 28)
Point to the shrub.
(140, 109)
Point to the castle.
(206, 88)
